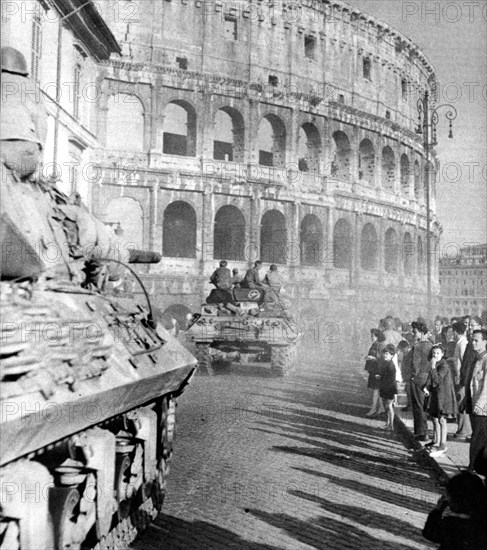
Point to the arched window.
(309, 148)
(342, 244)
(229, 134)
(179, 231)
(229, 234)
(311, 240)
(179, 129)
(368, 248)
(273, 237)
(417, 180)
(366, 161)
(388, 168)
(420, 256)
(341, 156)
(271, 141)
(405, 172)
(408, 253)
(124, 214)
(175, 317)
(125, 123)
(391, 255)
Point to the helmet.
(13, 61)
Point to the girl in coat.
(388, 384)
(442, 400)
(373, 368)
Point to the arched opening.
(179, 129)
(309, 148)
(420, 255)
(229, 134)
(391, 255)
(229, 234)
(405, 172)
(273, 237)
(125, 123)
(388, 168)
(342, 244)
(271, 140)
(369, 248)
(179, 231)
(408, 253)
(174, 318)
(311, 240)
(366, 161)
(125, 215)
(341, 156)
(417, 180)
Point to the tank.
(89, 389)
(252, 329)
(89, 379)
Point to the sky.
(453, 36)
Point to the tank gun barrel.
(144, 257)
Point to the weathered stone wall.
(347, 83)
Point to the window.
(76, 89)
(36, 46)
(182, 63)
(230, 29)
(404, 90)
(273, 80)
(367, 68)
(341, 98)
(310, 47)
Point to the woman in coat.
(442, 403)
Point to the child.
(458, 521)
(373, 368)
(388, 384)
(442, 401)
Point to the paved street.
(264, 463)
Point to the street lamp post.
(428, 121)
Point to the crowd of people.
(444, 374)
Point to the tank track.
(69, 506)
(203, 356)
(283, 359)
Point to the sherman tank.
(252, 327)
(89, 380)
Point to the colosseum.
(280, 131)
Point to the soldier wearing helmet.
(42, 229)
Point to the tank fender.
(24, 494)
(97, 448)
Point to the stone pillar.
(355, 266)
(253, 252)
(328, 253)
(354, 156)
(207, 217)
(294, 250)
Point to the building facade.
(463, 280)
(285, 132)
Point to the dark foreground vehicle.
(88, 397)
(253, 329)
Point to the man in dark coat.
(417, 363)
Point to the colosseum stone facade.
(280, 131)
